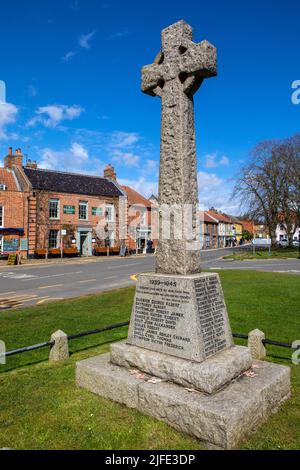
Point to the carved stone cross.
(175, 76)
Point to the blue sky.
(72, 71)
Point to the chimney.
(109, 172)
(13, 160)
(31, 164)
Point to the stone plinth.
(222, 419)
(208, 376)
(183, 316)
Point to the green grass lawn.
(41, 408)
(279, 253)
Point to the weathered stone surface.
(222, 419)
(208, 376)
(60, 350)
(109, 381)
(184, 316)
(256, 345)
(175, 76)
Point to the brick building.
(13, 208)
(208, 231)
(141, 215)
(43, 210)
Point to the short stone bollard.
(60, 350)
(255, 344)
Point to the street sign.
(262, 241)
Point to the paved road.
(38, 284)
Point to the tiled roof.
(135, 198)
(206, 218)
(74, 183)
(7, 178)
(220, 217)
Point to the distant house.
(281, 233)
(225, 227)
(248, 225)
(139, 213)
(208, 231)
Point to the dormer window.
(3, 187)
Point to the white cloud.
(32, 91)
(118, 34)
(121, 148)
(85, 40)
(73, 159)
(8, 114)
(212, 160)
(124, 139)
(79, 152)
(52, 115)
(141, 185)
(68, 56)
(224, 161)
(128, 159)
(215, 192)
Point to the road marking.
(54, 275)
(15, 275)
(87, 280)
(7, 293)
(124, 265)
(48, 299)
(49, 287)
(110, 277)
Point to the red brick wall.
(70, 222)
(15, 211)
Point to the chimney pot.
(109, 172)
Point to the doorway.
(85, 243)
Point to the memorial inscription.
(185, 317)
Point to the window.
(109, 213)
(53, 239)
(143, 217)
(54, 209)
(83, 210)
(3, 187)
(207, 241)
(1, 216)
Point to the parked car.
(283, 243)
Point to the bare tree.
(268, 187)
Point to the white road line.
(49, 287)
(124, 265)
(110, 277)
(87, 280)
(7, 293)
(54, 275)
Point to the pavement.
(39, 283)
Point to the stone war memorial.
(179, 363)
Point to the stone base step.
(208, 376)
(221, 420)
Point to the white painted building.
(281, 234)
